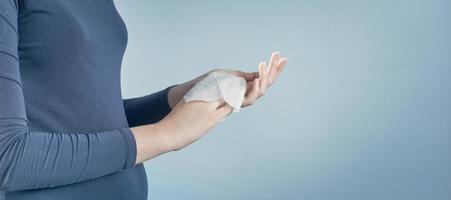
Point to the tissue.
(219, 85)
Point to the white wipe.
(219, 85)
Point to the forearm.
(186, 123)
(176, 93)
(31, 160)
(156, 139)
(147, 109)
(151, 141)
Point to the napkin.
(219, 85)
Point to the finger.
(273, 60)
(224, 111)
(272, 70)
(220, 102)
(211, 104)
(263, 76)
(280, 67)
(282, 63)
(248, 76)
(253, 93)
(248, 87)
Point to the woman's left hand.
(257, 82)
(267, 75)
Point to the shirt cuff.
(130, 158)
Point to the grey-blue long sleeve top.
(64, 126)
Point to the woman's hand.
(185, 124)
(267, 76)
(257, 82)
(188, 122)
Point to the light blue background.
(363, 110)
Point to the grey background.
(363, 110)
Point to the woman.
(65, 131)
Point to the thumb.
(224, 111)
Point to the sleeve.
(31, 159)
(147, 109)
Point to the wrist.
(176, 93)
(167, 136)
(151, 141)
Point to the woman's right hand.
(186, 123)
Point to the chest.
(92, 25)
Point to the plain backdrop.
(362, 111)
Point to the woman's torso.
(70, 60)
